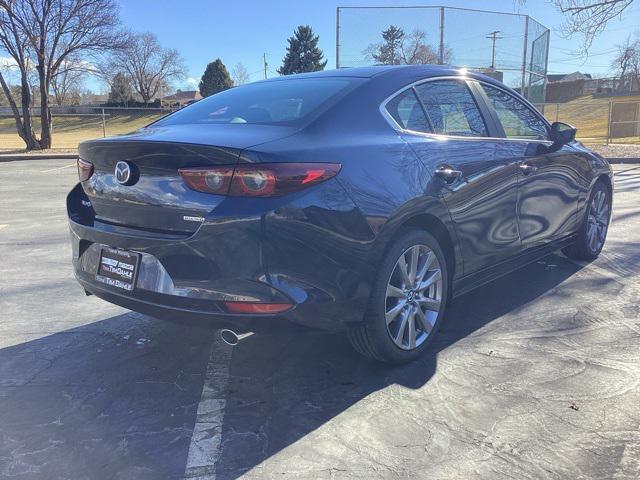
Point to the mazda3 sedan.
(358, 200)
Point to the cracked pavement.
(534, 376)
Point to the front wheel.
(595, 224)
(407, 302)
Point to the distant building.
(490, 72)
(93, 99)
(568, 77)
(182, 97)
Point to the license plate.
(118, 268)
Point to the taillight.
(257, 307)
(258, 180)
(85, 170)
(208, 180)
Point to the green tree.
(215, 79)
(303, 54)
(389, 52)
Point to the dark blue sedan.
(358, 200)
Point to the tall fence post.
(610, 116)
(441, 47)
(104, 125)
(337, 37)
(524, 57)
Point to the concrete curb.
(37, 156)
(623, 160)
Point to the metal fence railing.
(80, 124)
(599, 121)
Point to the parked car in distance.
(359, 200)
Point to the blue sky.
(241, 31)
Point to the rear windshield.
(282, 102)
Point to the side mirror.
(562, 133)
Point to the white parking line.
(205, 447)
(57, 168)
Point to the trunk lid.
(155, 197)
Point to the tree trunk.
(23, 127)
(45, 113)
(29, 135)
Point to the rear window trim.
(467, 80)
(460, 78)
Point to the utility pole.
(264, 60)
(494, 36)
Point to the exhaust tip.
(229, 337)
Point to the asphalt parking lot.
(535, 376)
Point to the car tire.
(595, 222)
(391, 342)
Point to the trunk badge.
(124, 173)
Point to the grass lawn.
(589, 115)
(69, 130)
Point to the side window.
(407, 112)
(517, 119)
(451, 109)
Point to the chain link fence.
(512, 47)
(599, 121)
(79, 124)
(602, 121)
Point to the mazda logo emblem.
(123, 173)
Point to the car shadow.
(283, 387)
(112, 399)
(118, 398)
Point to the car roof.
(402, 73)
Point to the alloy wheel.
(413, 297)
(597, 221)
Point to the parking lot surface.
(535, 376)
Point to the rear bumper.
(253, 257)
(166, 309)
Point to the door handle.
(527, 168)
(448, 173)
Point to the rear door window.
(451, 109)
(517, 119)
(407, 112)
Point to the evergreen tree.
(303, 54)
(215, 79)
(389, 52)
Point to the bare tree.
(415, 50)
(627, 62)
(240, 75)
(398, 48)
(589, 18)
(41, 35)
(149, 66)
(68, 81)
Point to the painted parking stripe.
(206, 441)
(58, 168)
